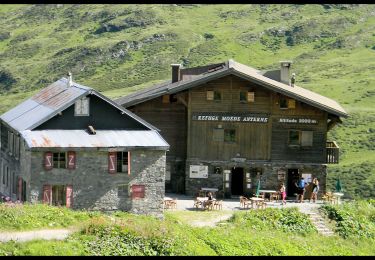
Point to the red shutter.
(19, 193)
(48, 163)
(47, 194)
(129, 163)
(112, 162)
(71, 160)
(138, 191)
(69, 196)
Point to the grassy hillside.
(118, 49)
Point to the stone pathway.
(46, 234)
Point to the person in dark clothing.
(315, 189)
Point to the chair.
(218, 204)
(197, 203)
(328, 198)
(275, 196)
(244, 202)
(208, 204)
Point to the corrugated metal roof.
(43, 105)
(241, 70)
(102, 139)
(50, 101)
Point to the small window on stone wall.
(122, 191)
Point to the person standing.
(315, 189)
(301, 191)
(283, 194)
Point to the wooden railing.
(333, 151)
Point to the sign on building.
(198, 171)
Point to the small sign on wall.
(307, 177)
(198, 171)
(281, 175)
(138, 191)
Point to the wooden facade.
(231, 122)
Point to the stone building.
(230, 125)
(69, 145)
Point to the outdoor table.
(256, 202)
(169, 202)
(337, 197)
(203, 191)
(267, 191)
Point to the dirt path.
(46, 234)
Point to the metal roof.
(102, 139)
(241, 70)
(50, 101)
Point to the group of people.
(301, 189)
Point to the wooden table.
(267, 191)
(256, 202)
(170, 203)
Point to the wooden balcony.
(333, 152)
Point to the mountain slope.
(118, 49)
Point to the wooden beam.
(182, 100)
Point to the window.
(214, 95)
(286, 103)
(166, 99)
(82, 107)
(218, 135)
(122, 190)
(294, 137)
(119, 162)
(302, 138)
(307, 138)
(246, 96)
(283, 103)
(229, 135)
(122, 162)
(59, 160)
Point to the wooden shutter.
(129, 163)
(48, 160)
(69, 196)
(19, 192)
(307, 138)
(138, 191)
(165, 99)
(71, 160)
(112, 162)
(291, 103)
(250, 96)
(210, 95)
(47, 194)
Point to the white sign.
(198, 171)
(306, 177)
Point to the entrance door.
(293, 176)
(237, 181)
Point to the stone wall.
(95, 189)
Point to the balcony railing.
(333, 151)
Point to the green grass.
(332, 49)
(274, 232)
(23, 217)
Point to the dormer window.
(82, 107)
(214, 95)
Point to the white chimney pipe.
(70, 79)
(285, 71)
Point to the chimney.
(285, 71)
(175, 72)
(70, 79)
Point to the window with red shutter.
(112, 162)
(71, 160)
(69, 196)
(138, 191)
(48, 161)
(47, 194)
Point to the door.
(293, 176)
(237, 182)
